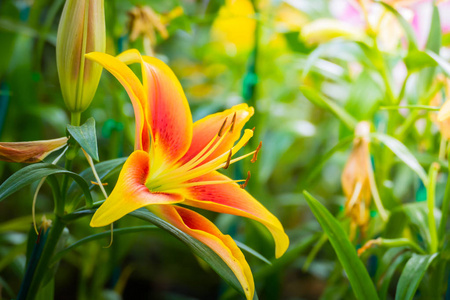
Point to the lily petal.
(229, 198)
(30, 152)
(205, 129)
(134, 89)
(167, 110)
(130, 192)
(206, 232)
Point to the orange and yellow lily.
(175, 161)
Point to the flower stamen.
(255, 155)
(222, 127)
(228, 159)
(242, 186)
(233, 121)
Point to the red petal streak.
(130, 192)
(231, 199)
(206, 232)
(168, 115)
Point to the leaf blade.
(86, 137)
(358, 276)
(412, 274)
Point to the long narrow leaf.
(411, 276)
(334, 108)
(357, 274)
(402, 153)
(34, 172)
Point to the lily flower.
(176, 161)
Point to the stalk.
(434, 169)
(445, 207)
(42, 266)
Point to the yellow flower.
(144, 22)
(234, 27)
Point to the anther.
(222, 127)
(232, 122)
(255, 155)
(228, 159)
(242, 186)
(96, 183)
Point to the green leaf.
(104, 170)
(445, 66)
(320, 162)
(331, 106)
(411, 276)
(199, 249)
(410, 35)
(402, 153)
(358, 276)
(417, 60)
(101, 235)
(86, 137)
(435, 35)
(390, 262)
(34, 172)
(252, 252)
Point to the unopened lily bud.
(81, 30)
(324, 30)
(30, 152)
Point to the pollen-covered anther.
(96, 183)
(255, 155)
(227, 164)
(233, 121)
(242, 186)
(222, 127)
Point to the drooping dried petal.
(30, 152)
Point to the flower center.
(180, 176)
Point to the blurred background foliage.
(224, 53)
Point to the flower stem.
(445, 207)
(42, 266)
(434, 169)
(75, 121)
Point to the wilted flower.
(355, 179)
(81, 30)
(175, 161)
(144, 22)
(30, 152)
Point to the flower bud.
(81, 30)
(30, 152)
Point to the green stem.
(434, 169)
(75, 118)
(445, 207)
(42, 266)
